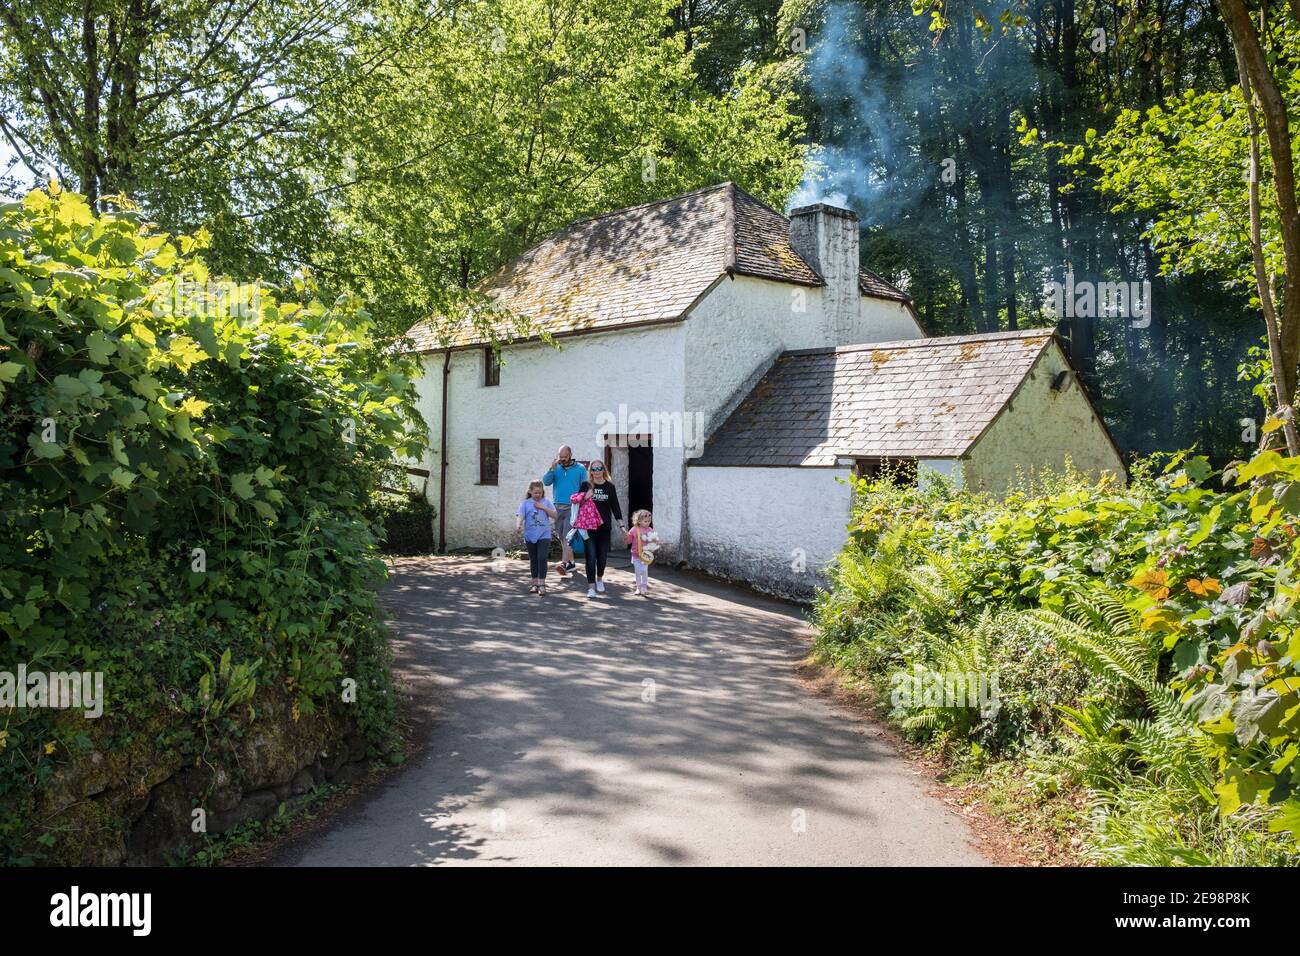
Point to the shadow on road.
(622, 730)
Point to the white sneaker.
(591, 592)
(600, 586)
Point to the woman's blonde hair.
(636, 516)
(535, 483)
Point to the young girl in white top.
(642, 539)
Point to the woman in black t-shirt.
(596, 551)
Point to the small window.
(491, 367)
(902, 470)
(489, 460)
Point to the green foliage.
(196, 109)
(408, 524)
(224, 686)
(256, 833)
(186, 483)
(500, 121)
(1142, 640)
(1185, 164)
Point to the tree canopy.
(403, 150)
(399, 149)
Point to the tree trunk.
(90, 91)
(1284, 326)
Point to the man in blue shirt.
(565, 475)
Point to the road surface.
(623, 731)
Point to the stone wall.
(135, 804)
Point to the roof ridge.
(729, 251)
(882, 280)
(643, 205)
(929, 340)
(568, 227)
(750, 196)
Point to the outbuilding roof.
(921, 398)
(644, 264)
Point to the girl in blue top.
(534, 519)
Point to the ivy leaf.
(146, 386)
(185, 352)
(194, 407)
(1237, 595)
(1188, 654)
(1287, 820)
(1265, 463)
(1198, 468)
(1256, 715)
(118, 449)
(70, 387)
(1287, 758)
(123, 248)
(101, 347)
(1155, 582)
(1240, 787)
(165, 257)
(1207, 525)
(1210, 702)
(44, 449)
(121, 477)
(242, 485)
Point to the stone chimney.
(826, 237)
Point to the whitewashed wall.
(548, 397)
(757, 524)
(740, 328)
(1039, 430)
(883, 320)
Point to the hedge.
(187, 468)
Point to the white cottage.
(729, 365)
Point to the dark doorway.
(640, 477)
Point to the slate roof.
(645, 264)
(922, 398)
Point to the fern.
(1123, 655)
